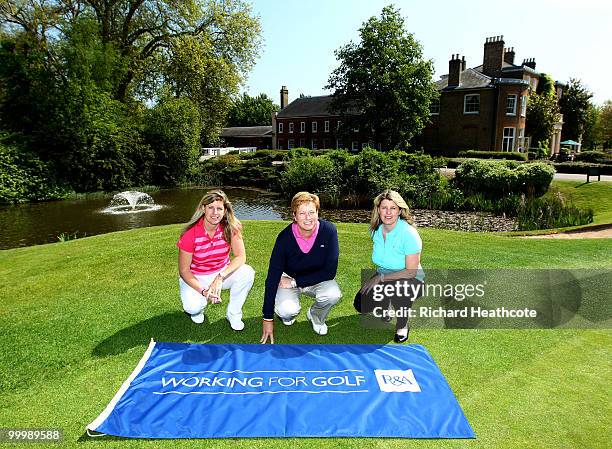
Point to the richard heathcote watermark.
(504, 299)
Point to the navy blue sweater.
(320, 264)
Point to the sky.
(567, 38)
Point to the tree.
(590, 137)
(77, 75)
(251, 111)
(546, 85)
(542, 115)
(173, 130)
(383, 85)
(203, 49)
(575, 104)
(604, 125)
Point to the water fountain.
(130, 202)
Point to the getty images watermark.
(502, 299)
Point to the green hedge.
(513, 156)
(497, 179)
(581, 167)
(595, 157)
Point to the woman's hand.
(369, 285)
(267, 331)
(286, 282)
(214, 290)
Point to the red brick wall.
(320, 135)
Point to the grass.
(77, 316)
(596, 195)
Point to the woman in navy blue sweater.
(304, 260)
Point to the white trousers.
(239, 284)
(326, 295)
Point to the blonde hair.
(303, 198)
(391, 195)
(229, 223)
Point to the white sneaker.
(235, 323)
(320, 329)
(198, 318)
(288, 322)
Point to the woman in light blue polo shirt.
(397, 256)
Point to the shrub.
(498, 179)
(581, 167)
(551, 212)
(375, 172)
(596, 157)
(514, 156)
(312, 174)
(24, 177)
(265, 155)
(534, 178)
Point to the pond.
(38, 223)
(33, 224)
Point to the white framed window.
(523, 105)
(339, 144)
(302, 143)
(511, 105)
(508, 141)
(302, 127)
(471, 104)
(291, 127)
(280, 127)
(521, 140)
(338, 124)
(314, 127)
(290, 144)
(326, 126)
(355, 145)
(314, 144)
(434, 107)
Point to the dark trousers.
(366, 303)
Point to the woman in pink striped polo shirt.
(204, 261)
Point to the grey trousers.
(326, 295)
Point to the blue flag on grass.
(225, 391)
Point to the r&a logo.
(394, 380)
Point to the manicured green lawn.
(596, 195)
(77, 316)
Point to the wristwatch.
(204, 292)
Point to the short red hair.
(303, 198)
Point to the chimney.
(463, 63)
(529, 63)
(455, 66)
(284, 97)
(493, 56)
(509, 55)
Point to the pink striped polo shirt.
(209, 255)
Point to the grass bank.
(76, 317)
(596, 195)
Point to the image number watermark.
(29, 435)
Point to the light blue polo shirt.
(390, 254)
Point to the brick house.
(484, 108)
(307, 123)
